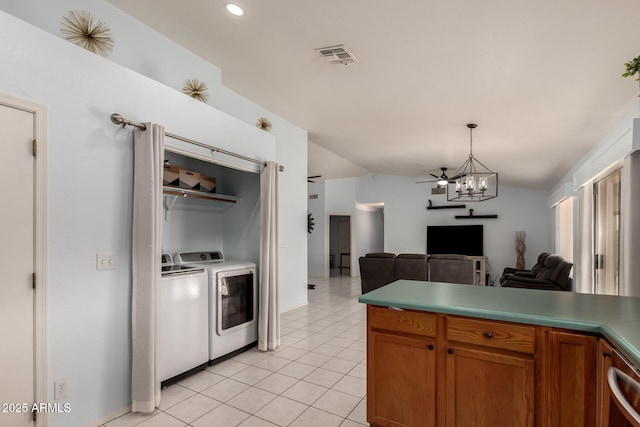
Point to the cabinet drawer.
(406, 321)
(488, 333)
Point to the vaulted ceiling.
(541, 78)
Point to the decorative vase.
(520, 249)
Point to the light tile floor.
(317, 377)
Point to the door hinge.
(34, 148)
(33, 280)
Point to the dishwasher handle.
(613, 374)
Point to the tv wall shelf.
(447, 207)
(475, 216)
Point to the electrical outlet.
(105, 261)
(61, 389)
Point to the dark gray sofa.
(379, 269)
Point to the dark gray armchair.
(376, 270)
(525, 273)
(553, 276)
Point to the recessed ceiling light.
(234, 9)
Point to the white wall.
(369, 223)
(317, 255)
(241, 233)
(406, 217)
(90, 200)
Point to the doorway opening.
(339, 245)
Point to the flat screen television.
(455, 239)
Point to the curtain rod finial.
(117, 119)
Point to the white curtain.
(146, 254)
(584, 259)
(269, 310)
(629, 226)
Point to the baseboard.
(105, 419)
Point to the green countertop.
(616, 318)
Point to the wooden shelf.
(475, 216)
(183, 192)
(447, 207)
(171, 194)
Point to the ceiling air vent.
(337, 55)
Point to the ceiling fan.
(442, 180)
(309, 178)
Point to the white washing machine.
(233, 302)
(183, 320)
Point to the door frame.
(40, 132)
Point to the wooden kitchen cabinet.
(490, 373)
(427, 369)
(401, 368)
(609, 415)
(572, 379)
(486, 388)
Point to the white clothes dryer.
(233, 302)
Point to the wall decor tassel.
(520, 249)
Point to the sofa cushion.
(412, 256)
(412, 267)
(380, 255)
(448, 256)
(451, 269)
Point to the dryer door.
(236, 300)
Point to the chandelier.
(473, 181)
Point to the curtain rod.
(119, 120)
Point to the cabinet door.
(489, 389)
(572, 379)
(609, 415)
(401, 380)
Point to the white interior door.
(17, 266)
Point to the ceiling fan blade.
(314, 176)
(435, 176)
(424, 182)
